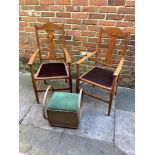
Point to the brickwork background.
(81, 18)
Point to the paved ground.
(98, 134)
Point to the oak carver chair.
(52, 66)
(104, 74)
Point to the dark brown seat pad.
(99, 76)
(52, 70)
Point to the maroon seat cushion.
(52, 70)
(100, 76)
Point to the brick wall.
(81, 18)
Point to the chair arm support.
(119, 67)
(33, 57)
(44, 101)
(85, 57)
(67, 56)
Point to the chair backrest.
(49, 29)
(112, 36)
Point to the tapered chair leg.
(110, 102)
(70, 84)
(45, 82)
(35, 90)
(77, 85)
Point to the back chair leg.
(45, 82)
(77, 85)
(70, 84)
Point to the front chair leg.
(35, 90)
(110, 102)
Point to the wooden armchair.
(52, 66)
(103, 74)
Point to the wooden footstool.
(63, 109)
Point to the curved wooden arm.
(85, 57)
(67, 56)
(33, 57)
(119, 67)
(44, 101)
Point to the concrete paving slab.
(26, 99)
(39, 142)
(125, 99)
(36, 141)
(75, 145)
(95, 124)
(35, 117)
(125, 131)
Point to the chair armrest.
(67, 56)
(85, 57)
(119, 67)
(33, 57)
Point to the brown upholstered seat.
(99, 76)
(52, 70)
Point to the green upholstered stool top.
(62, 101)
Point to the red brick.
(58, 20)
(93, 28)
(90, 9)
(73, 21)
(29, 19)
(31, 2)
(21, 2)
(124, 24)
(107, 9)
(79, 27)
(80, 15)
(43, 20)
(42, 7)
(81, 38)
(106, 23)
(73, 8)
(63, 2)
(116, 2)
(73, 32)
(29, 29)
(63, 15)
(94, 40)
(92, 45)
(47, 14)
(80, 2)
(22, 13)
(88, 33)
(67, 26)
(89, 22)
(56, 8)
(126, 10)
(23, 24)
(74, 43)
(79, 48)
(96, 16)
(46, 1)
(129, 18)
(98, 2)
(130, 3)
(35, 24)
(114, 17)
